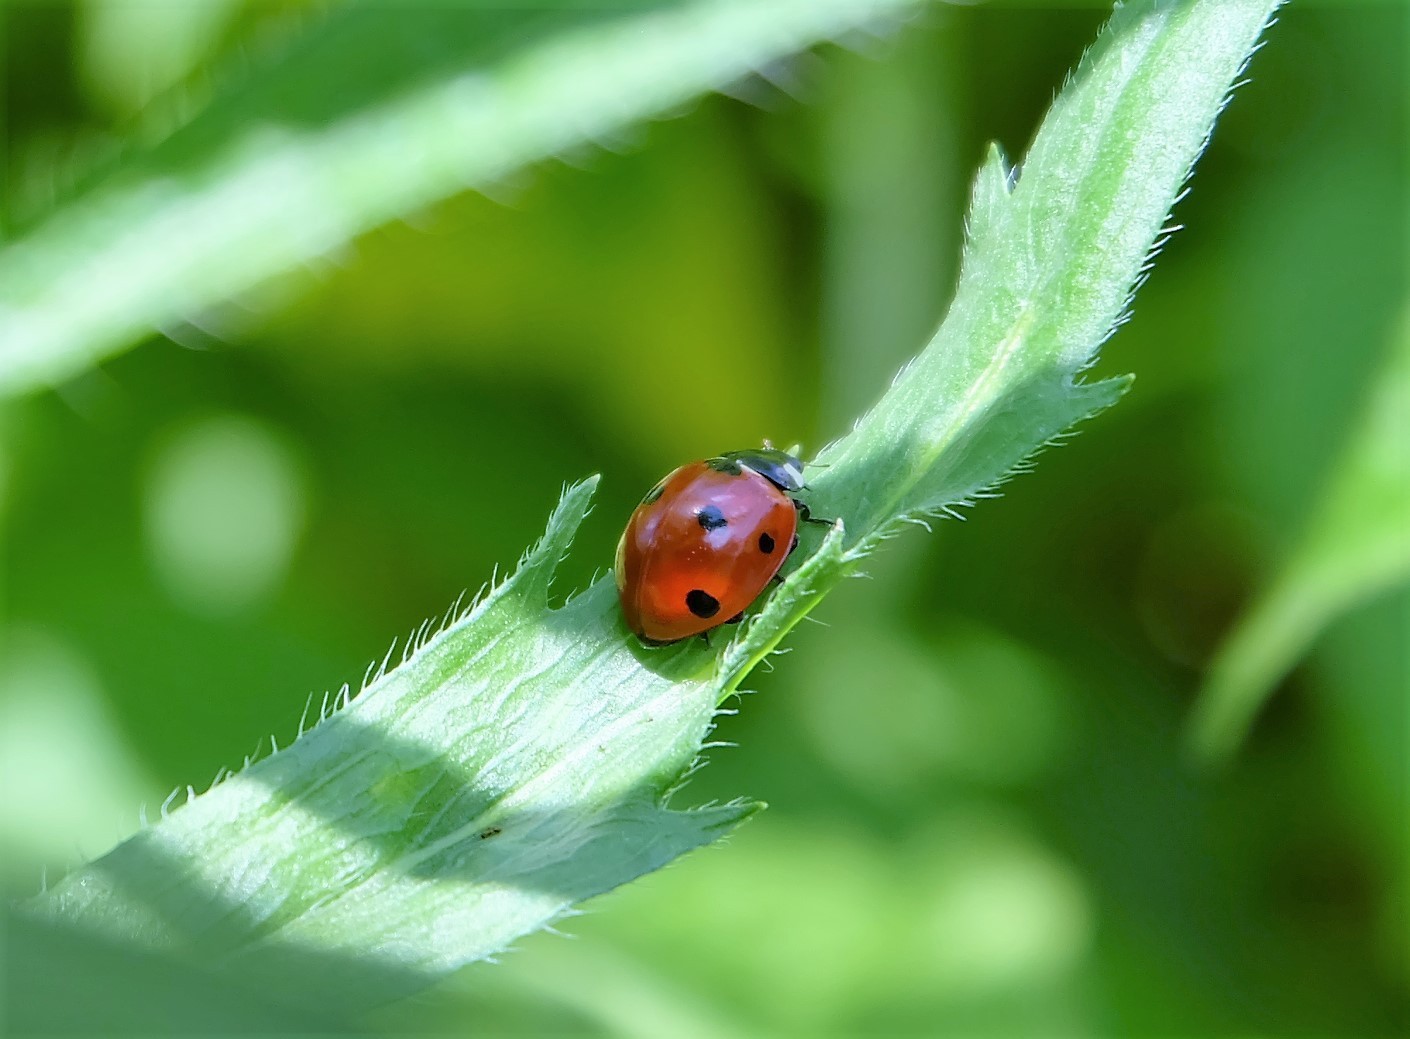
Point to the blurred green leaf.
(968, 908)
(134, 51)
(1356, 545)
(302, 157)
(519, 760)
(60, 805)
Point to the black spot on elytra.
(654, 494)
(711, 518)
(766, 544)
(702, 603)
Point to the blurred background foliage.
(983, 816)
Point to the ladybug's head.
(780, 468)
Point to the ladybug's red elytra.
(706, 541)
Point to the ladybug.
(706, 541)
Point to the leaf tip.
(538, 565)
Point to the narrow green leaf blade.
(1356, 546)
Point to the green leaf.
(1049, 268)
(301, 159)
(519, 761)
(1356, 546)
(512, 765)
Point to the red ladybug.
(706, 541)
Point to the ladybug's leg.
(736, 618)
(806, 515)
(778, 577)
